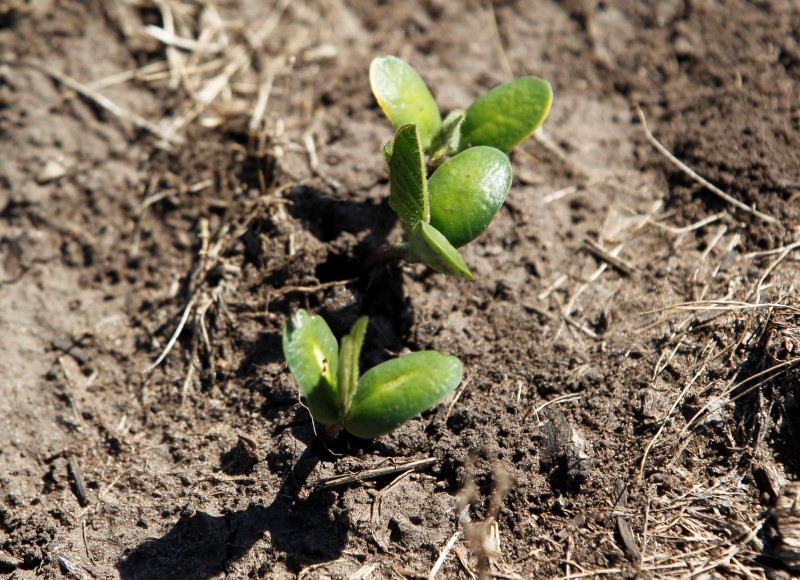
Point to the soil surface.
(177, 176)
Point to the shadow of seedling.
(327, 216)
(378, 294)
(202, 545)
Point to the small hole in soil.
(338, 267)
(239, 460)
(327, 217)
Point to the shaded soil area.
(177, 177)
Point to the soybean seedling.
(368, 405)
(472, 174)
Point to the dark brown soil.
(646, 410)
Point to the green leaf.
(387, 149)
(349, 353)
(466, 193)
(427, 245)
(409, 187)
(507, 115)
(447, 138)
(313, 358)
(404, 96)
(393, 392)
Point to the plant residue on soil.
(177, 177)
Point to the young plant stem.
(386, 253)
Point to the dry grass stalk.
(689, 228)
(404, 469)
(443, 555)
(238, 58)
(708, 526)
(666, 419)
(786, 518)
(629, 234)
(702, 528)
(696, 176)
(103, 101)
(483, 537)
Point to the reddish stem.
(386, 253)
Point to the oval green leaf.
(407, 181)
(349, 353)
(429, 246)
(507, 115)
(447, 138)
(393, 392)
(466, 193)
(404, 96)
(313, 358)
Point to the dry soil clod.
(564, 455)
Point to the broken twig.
(696, 176)
(367, 474)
